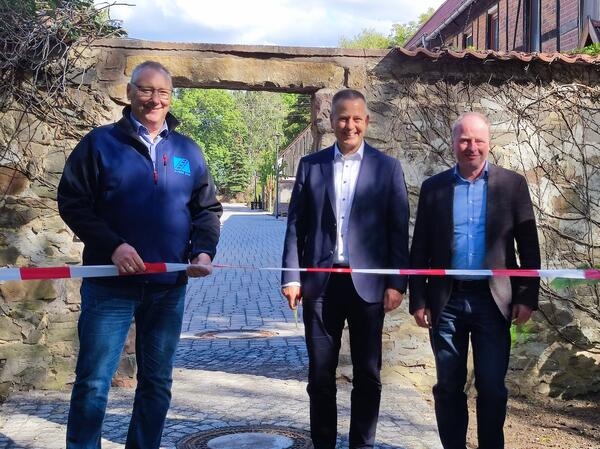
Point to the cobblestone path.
(221, 379)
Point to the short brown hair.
(345, 94)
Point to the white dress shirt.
(345, 174)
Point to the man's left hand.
(201, 266)
(391, 299)
(520, 314)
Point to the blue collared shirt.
(145, 137)
(469, 213)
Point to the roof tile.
(488, 55)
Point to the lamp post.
(255, 199)
(277, 177)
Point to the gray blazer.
(509, 219)
(377, 227)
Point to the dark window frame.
(467, 38)
(492, 31)
(532, 25)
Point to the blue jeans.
(106, 315)
(474, 314)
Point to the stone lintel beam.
(245, 73)
(253, 51)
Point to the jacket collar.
(125, 123)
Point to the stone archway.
(38, 341)
(315, 71)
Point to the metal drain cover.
(230, 334)
(255, 437)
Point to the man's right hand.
(127, 260)
(423, 317)
(293, 294)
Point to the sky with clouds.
(304, 23)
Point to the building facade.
(506, 25)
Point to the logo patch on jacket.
(181, 166)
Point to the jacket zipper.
(165, 167)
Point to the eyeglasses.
(145, 92)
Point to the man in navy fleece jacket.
(135, 191)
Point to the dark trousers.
(324, 320)
(474, 314)
(106, 314)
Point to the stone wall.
(38, 319)
(544, 125)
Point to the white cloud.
(275, 22)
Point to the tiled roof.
(438, 17)
(488, 55)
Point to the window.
(532, 14)
(589, 8)
(493, 29)
(467, 40)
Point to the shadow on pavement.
(281, 358)
(8, 443)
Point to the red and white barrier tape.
(79, 271)
(93, 271)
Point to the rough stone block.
(269, 74)
(65, 332)
(112, 66)
(357, 78)
(28, 290)
(12, 181)
(9, 330)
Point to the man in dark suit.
(469, 217)
(349, 208)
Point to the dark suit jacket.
(377, 227)
(509, 219)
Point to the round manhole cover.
(256, 437)
(230, 334)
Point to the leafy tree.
(212, 118)
(237, 170)
(263, 114)
(298, 110)
(241, 132)
(399, 35)
(367, 38)
(402, 32)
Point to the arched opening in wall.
(252, 140)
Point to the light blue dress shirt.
(145, 137)
(469, 213)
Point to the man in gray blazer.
(469, 217)
(349, 208)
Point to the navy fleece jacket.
(111, 193)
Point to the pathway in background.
(220, 379)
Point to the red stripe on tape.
(151, 268)
(329, 270)
(592, 274)
(155, 268)
(45, 273)
(520, 272)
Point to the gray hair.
(458, 122)
(152, 65)
(345, 94)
